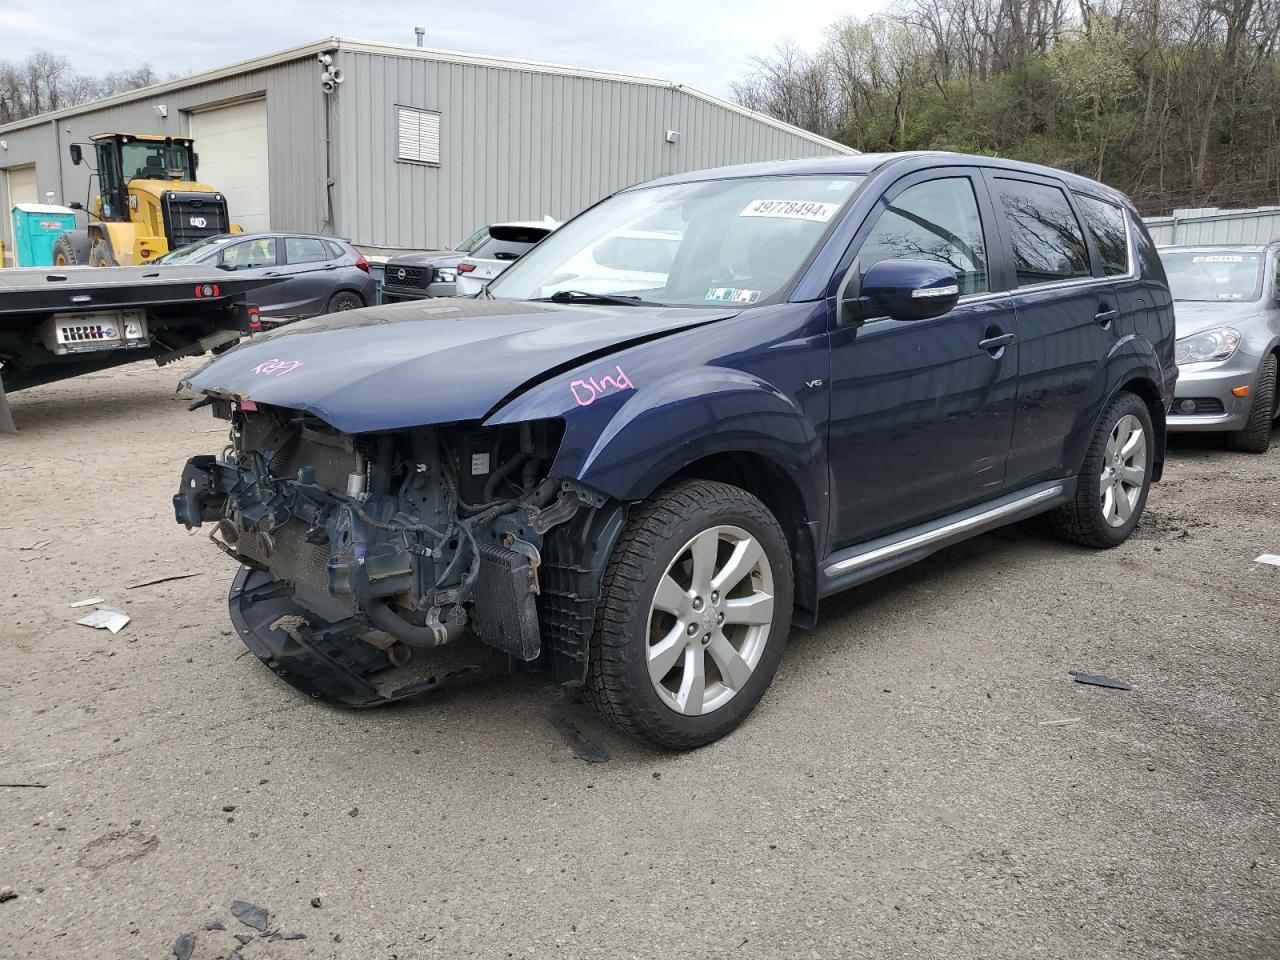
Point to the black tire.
(656, 536)
(344, 300)
(71, 249)
(1083, 520)
(1256, 435)
(100, 254)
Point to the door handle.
(1105, 314)
(997, 342)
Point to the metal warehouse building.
(415, 148)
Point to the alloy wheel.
(709, 620)
(1124, 470)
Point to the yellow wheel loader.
(148, 202)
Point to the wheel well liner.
(769, 483)
(1149, 393)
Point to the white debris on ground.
(106, 618)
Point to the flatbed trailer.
(62, 322)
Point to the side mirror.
(75, 205)
(905, 290)
(77, 155)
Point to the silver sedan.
(1227, 311)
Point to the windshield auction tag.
(732, 295)
(1217, 258)
(791, 210)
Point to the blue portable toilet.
(36, 226)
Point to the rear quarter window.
(1106, 225)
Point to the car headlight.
(446, 276)
(1216, 344)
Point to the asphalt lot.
(897, 794)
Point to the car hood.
(436, 361)
(1192, 316)
(428, 258)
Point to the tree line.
(47, 81)
(1175, 102)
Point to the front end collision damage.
(378, 566)
(379, 532)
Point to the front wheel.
(1112, 489)
(71, 250)
(1256, 435)
(694, 615)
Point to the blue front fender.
(626, 444)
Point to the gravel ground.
(897, 794)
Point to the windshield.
(192, 252)
(1227, 275)
(688, 244)
(473, 241)
(152, 160)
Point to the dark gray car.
(429, 273)
(320, 274)
(1227, 307)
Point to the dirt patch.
(117, 847)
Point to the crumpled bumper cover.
(343, 672)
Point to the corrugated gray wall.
(518, 145)
(1213, 225)
(295, 139)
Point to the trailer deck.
(61, 322)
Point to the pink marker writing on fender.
(586, 391)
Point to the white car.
(625, 261)
(507, 242)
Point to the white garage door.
(20, 187)
(232, 144)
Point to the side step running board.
(866, 561)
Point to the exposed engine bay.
(366, 554)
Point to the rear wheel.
(1256, 435)
(1112, 488)
(71, 250)
(344, 300)
(100, 254)
(694, 615)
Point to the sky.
(701, 43)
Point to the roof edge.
(540, 66)
(208, 76)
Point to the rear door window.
(1048, 244)
(1106, 225)
(304, 250)
(248, 254)
(935, 220)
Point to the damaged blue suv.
(657, 441)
